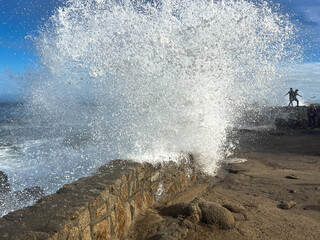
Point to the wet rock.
(13, 200)
(213, 213)
(3, 178)
(4, 185)
(286, 205)
(29, 194)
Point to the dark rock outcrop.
(294, 118)
(12, 200)
(29, 194)
(4, 185)
(291, 123)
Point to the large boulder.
(213, 213)
(200, 210)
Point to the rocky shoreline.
(275, 194)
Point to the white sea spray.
(163, 77)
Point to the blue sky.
(20, 19)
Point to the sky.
(20, 19)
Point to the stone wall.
(101, 206)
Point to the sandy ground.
(280, 167)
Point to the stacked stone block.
(102, 206)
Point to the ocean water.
(43, 154)
(47, 154)
(143, 80)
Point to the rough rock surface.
(234, 207)
(101, 206)
(294, 118)
(190, 211)
(29, 194)
(15, 199)
(259, 185)
(213, 213)
(205, 211)
(287, 205)
(4, 185)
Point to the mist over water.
(149, 79)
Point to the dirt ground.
(281, 167)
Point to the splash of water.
(162, 76)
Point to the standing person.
(294, 97)
(291, 92)
(312, 114)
